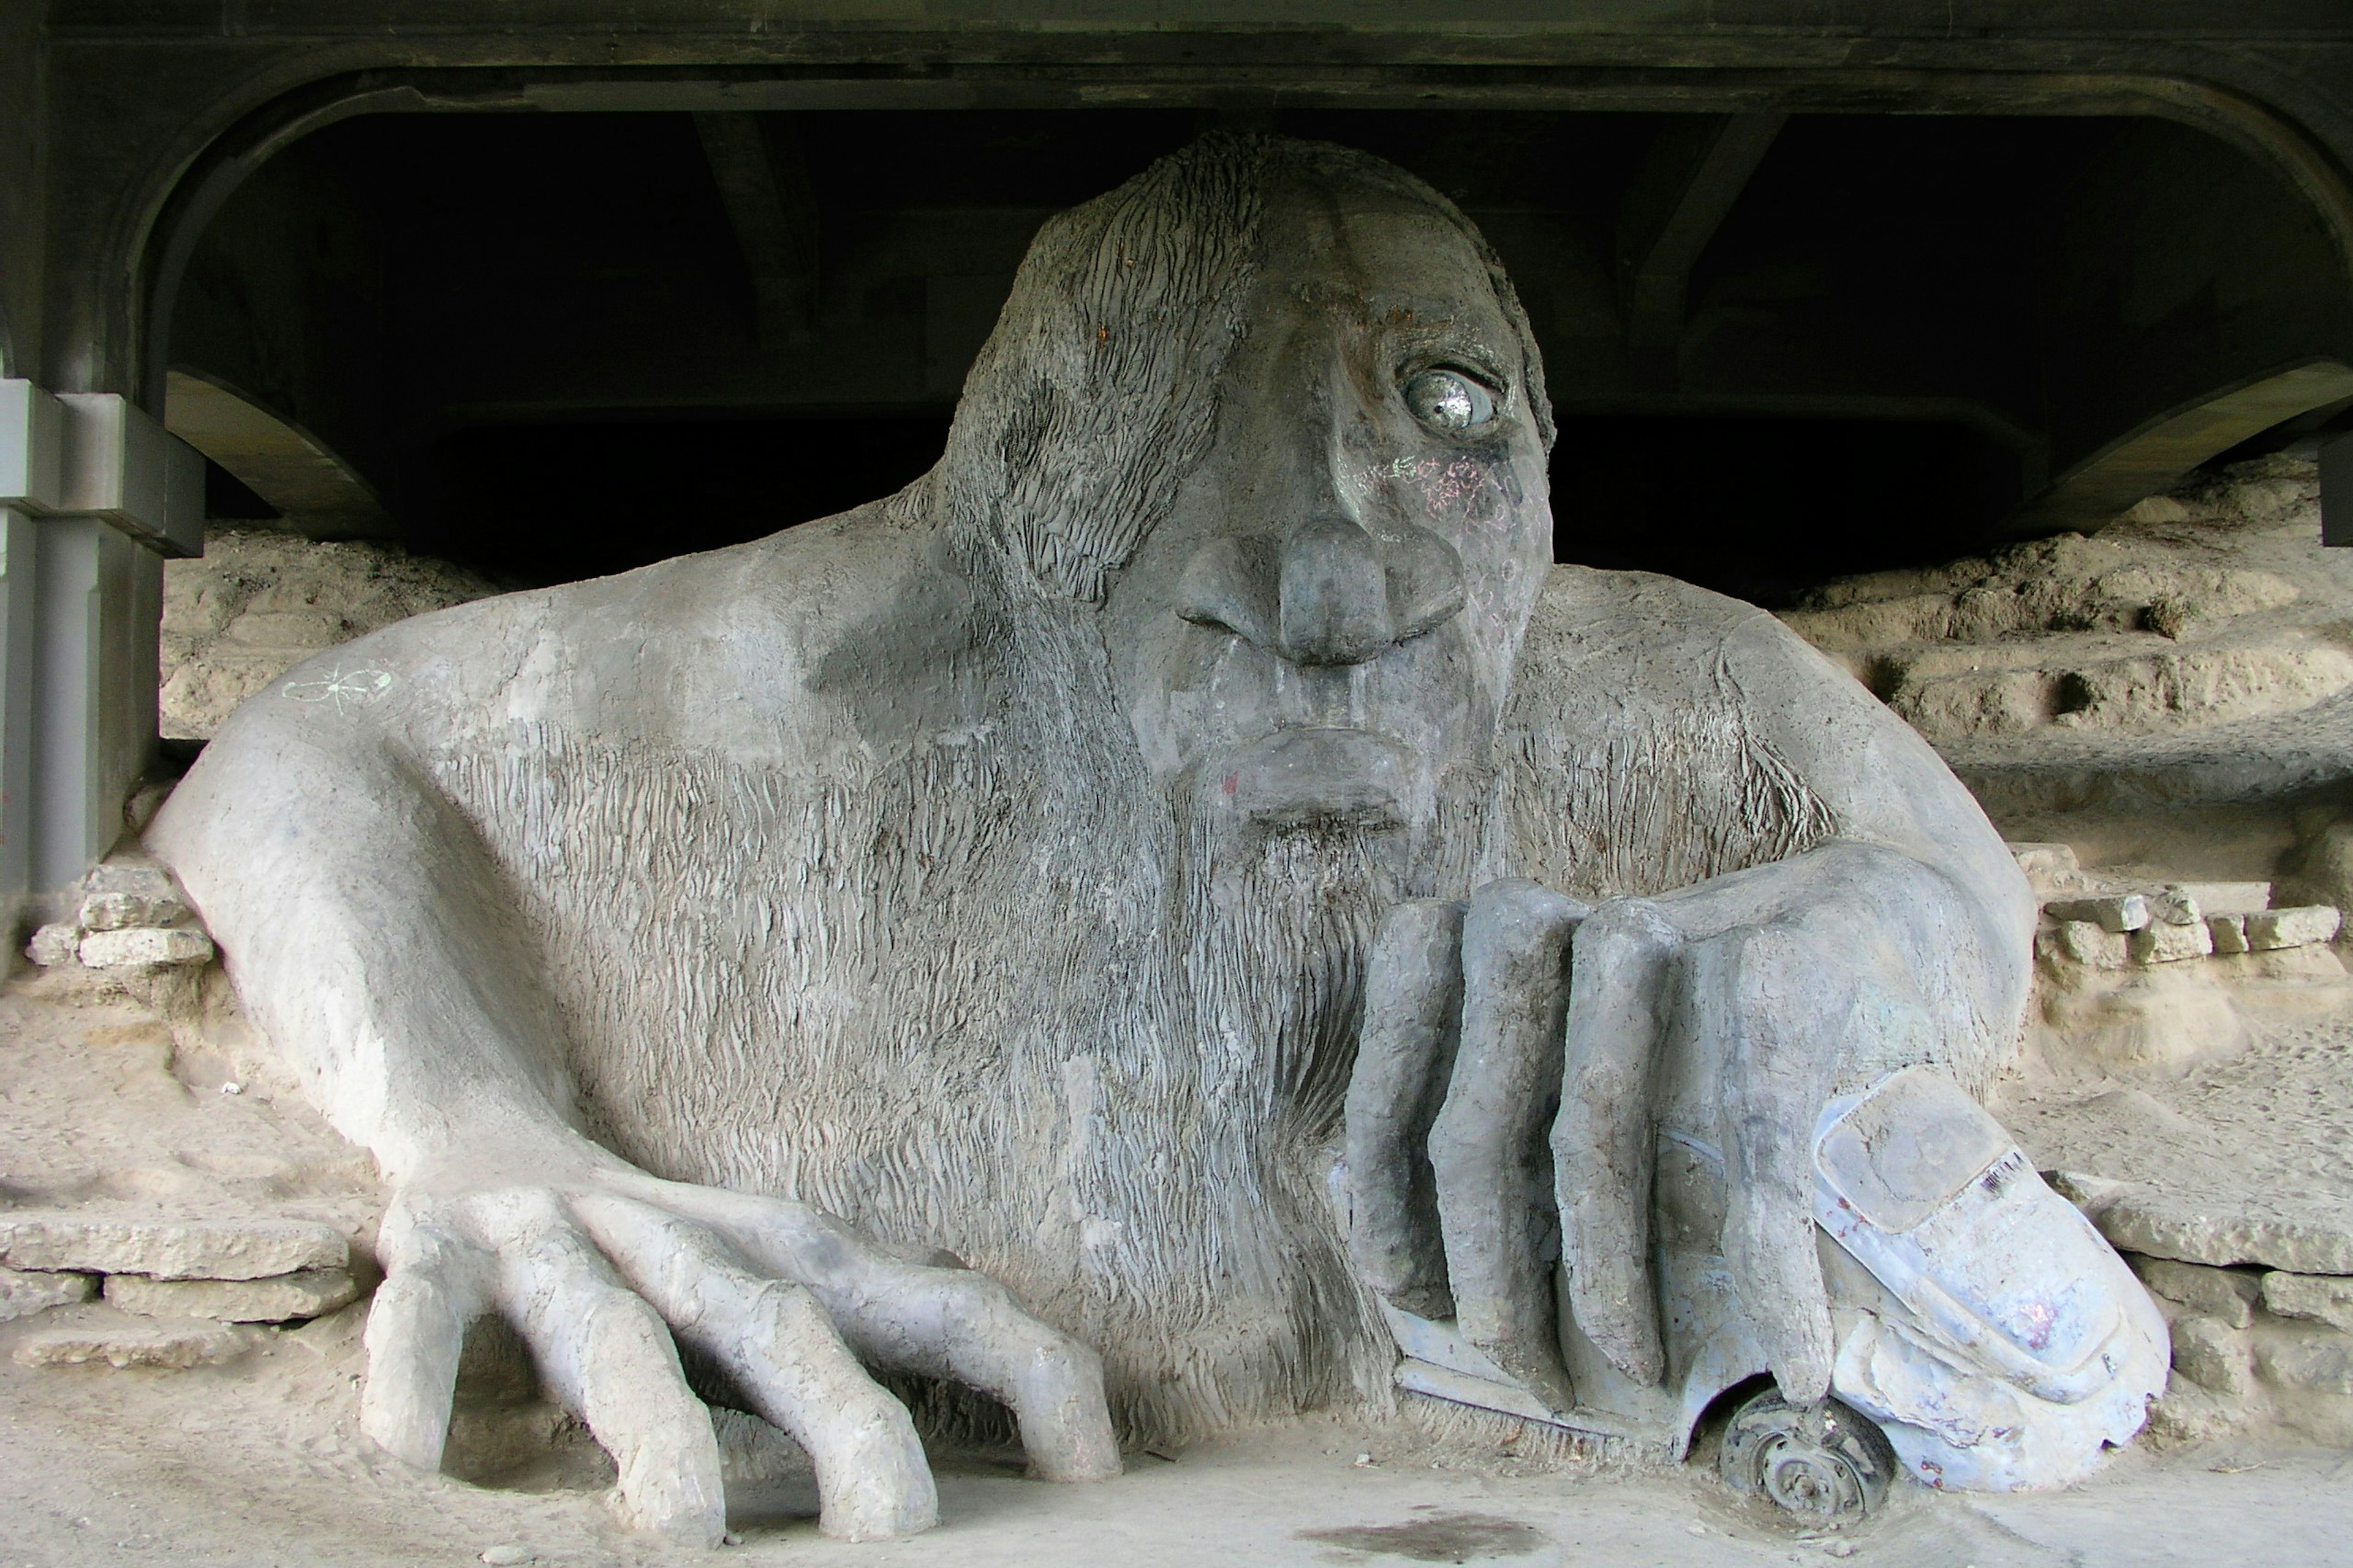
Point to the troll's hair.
(1098, 391)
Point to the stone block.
(113, 912)
(2174, 906)
(174, 1344)
(141, 881)
(2082, 941)
(166, 1249)
(2226, 1295)
(2185, 1413)
(2190, 1229)
(123, 912)
(2109, 911)
(2049, 868)
(23, 1292)
(2228, 898)
(55, 945)
(2300, 926)
(2316, 1361)
(2159, 942)
(2323, 1297)
(144, 948)
(310, 1293)
(2213, 1355)
(2229, 933)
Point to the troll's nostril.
(1208, 615)
(1335, 601)
(1225, 590)
(1326, 594)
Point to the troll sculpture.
(993, 868)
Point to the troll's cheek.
(1459, 490)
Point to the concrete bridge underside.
(554, 294)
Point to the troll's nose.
(1326, 593)
(1332, 599)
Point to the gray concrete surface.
(205, 1477)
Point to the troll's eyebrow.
(1452, 340)
(1451, 343)
(1426, 327)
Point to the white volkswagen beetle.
(1989, 1339)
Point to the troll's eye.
(1448, 400)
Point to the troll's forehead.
(1099, 390)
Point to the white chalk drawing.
(1441, 485)
(345, 689)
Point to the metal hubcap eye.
(1808, 1480)
(1448, 400)
(1825, 1465)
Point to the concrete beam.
(763, 182)
(18, 612)
(317, 493)
(99, 601)
(122, 466)
(1694, 173)
(32, 448)
(97, 493)
(2151, 457)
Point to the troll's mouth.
(1295, 777)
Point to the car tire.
(1827, 1464)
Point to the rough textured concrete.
(2215, 1356)
(142, 947)
(2112, 913)
(119, 911)
(2162, 941)
(309, 1293)
(93, 1336)
(2298, 927)
(2321, 1298)
(55, 945)
(1196, 635)
(2226, 1294)
(2190, 1227)
(24, 1292)
(166, 1250)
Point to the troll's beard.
(1220, 1289)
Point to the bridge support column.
(93, 494)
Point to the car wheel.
(1826, 1463)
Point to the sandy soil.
(2275, 1120)
(2211, 605)
(2262, 1132)
(101, 1109)
(259, 1464)
(257, 602)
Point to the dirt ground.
(257, 603)
(2263, 1132)
(259, 1464)
(258, 1467)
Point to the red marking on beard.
(1233, 781)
